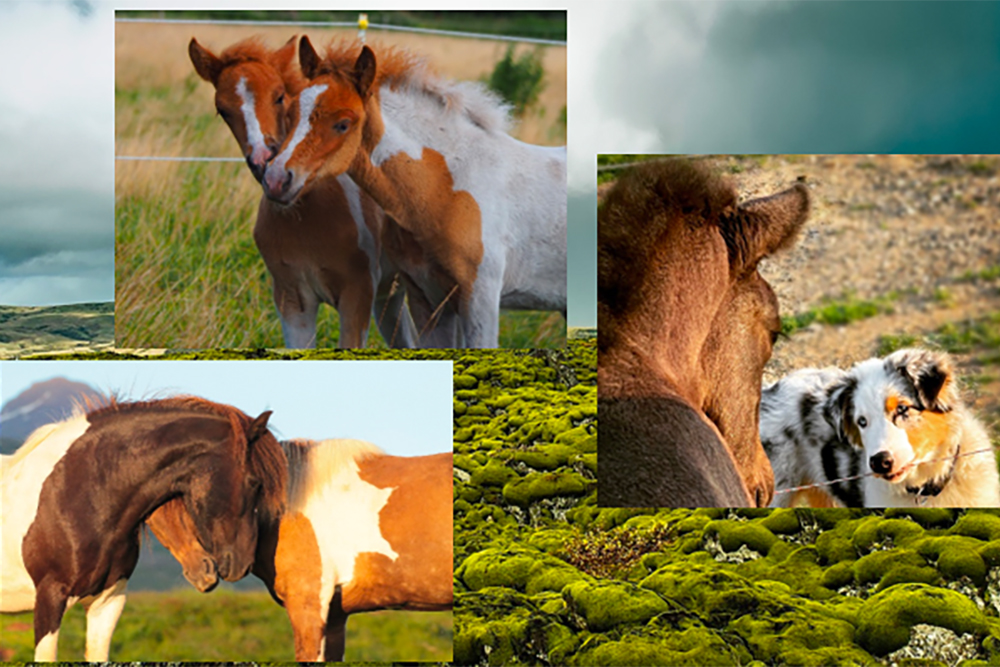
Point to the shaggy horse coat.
(685, 326)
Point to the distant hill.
(37, 329)
(41, 403)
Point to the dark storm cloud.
(810, 77)
(38, 223)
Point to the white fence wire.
(350, 24)
(318, 24)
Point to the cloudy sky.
(367, 400)
(645, 76)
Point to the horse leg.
(307, 626)
(480, 321)
(50, 605)
(102, 617)
(355, 308)
(392, 317)
(336, 630)
(298, 317)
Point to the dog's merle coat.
(900, 417)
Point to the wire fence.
(351, 24)
(361, 23)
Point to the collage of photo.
(308, 319)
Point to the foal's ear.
(364, 72)
(763, 226)
(308, 58)
(282, 58)
(258, 427)
(206, 64)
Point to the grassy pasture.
(225, 626)
(187, 272)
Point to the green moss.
(905, 574)
(885, 619)
(606, 605)
(545, 457)
(835, 548)
(876, 530)
(535, 486)
(494, 473)
(734, 534)
(839, 575)
(990, 553)
(977, 524)
(782, 522)
(795, 637)
(871, 568)
(694, 646)
(961, 561)
(465, 382)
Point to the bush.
(518, 81)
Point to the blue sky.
(404, 407)
(652, 76)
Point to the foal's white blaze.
(365, 239)
(23, 475)
(307, 102)
(255, 137)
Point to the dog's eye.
(902, 410)
(862, 422)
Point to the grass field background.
(187, 272)
(226, 626)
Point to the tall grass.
(231, 627)
(187, 272)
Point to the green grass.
(844, 310)
(987, 274)
(187, 272)
(980, 335)
(228, 627)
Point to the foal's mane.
(311, 464)
(400, 68)
(266, 461)
(647, 201)
(253, 49)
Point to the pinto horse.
(327, 248)
(685, 326)
(477, 219)
(363, 531)
(76, 493)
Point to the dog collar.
(936, 485)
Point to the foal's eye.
(279, 100)
(862, 422)
(342, 126)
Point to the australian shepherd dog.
(895, 427)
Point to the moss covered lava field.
(544, 576)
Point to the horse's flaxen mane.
(266, 461)
(36, 438)
(644, 203)
(400, 68)
(312, 464)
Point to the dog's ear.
(931, 375)
(839, 409)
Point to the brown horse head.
(175, 530)
(679, 295)
(253, 89)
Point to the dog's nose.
(881, 463)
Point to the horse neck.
(146, 477)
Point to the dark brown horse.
(76, 493)
(686, 324)
(363, 531)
